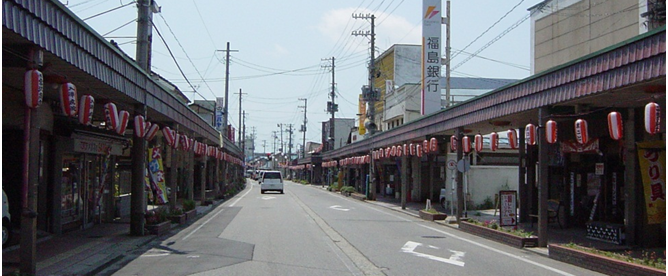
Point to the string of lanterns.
(115, 120)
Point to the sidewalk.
(87, 251)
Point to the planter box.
(191, 215)
(498, 235)
(430, 216)
(180, 219)
(160, 228)
(599, 263)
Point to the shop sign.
(652, 159)
(97, 147)
(600, 168)
(508, 208)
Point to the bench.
(553, 207)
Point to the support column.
(28, 243)
(404, 180)
(543, 180)
(522, 187)
(173, 173)
(631, 189)
(138, 198)
(202, 179)
(190, 174)
(459, 133)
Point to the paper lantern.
(615, 127)
(86, 105)
(405, 149)
(581, 131)
(191, 143)
(33, 88)
(367, 159)
(168, 134)
(68, 99)
(177, 140)
(418, 150)
(494, 141)
(551, 131)
(425, 146)
(140, 126)
(433, 145)
(477, 141)
(453, 143)
(111, 115)
(530, 134)
(400, 151)
(123, 118)
(652, 118)
(466, 144)
(393, 151)
(151, 132)
(512, 139)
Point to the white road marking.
(268, 197)
(339, 208)
(156, 253)
(216, 214)
(499, 251)
(455, 259)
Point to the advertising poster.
(508, 208)
(157, 175)
(652, 160)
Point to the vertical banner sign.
(362, 112)
(157, 175)
(431, 57)
(219, 113)
(652, 159)
(508, 208)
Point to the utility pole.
(227, 87)
(303, 128)
(282, 146)
(289, 143)
(332, 107)
(146, 8)
(371, 128)
(242, 133)
(240, 96)
(252, 138)
(447, 54)
(264, 146)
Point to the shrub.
(348, 189)
(648, 259)
(487, 204)
(188, 205)
(176, 212)
(155, 216)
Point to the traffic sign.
(452, 164)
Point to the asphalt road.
(309, 231)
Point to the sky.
(282, 46)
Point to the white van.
(271, 181)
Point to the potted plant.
(176, 215)
(157, 222)
(432, 214)
(189, 209)
(347, 190)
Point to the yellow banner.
(652, 160)
(157, 173)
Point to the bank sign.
(430, 95)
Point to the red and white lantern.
(494, 141)
(418, 150)
(551, 131)
(530, 134)
(405, 149)
(152, 131)
(393, 151)
(433, 145)
(615, 127)
(168, 134)
(86, 105)
(367, 159)
(140, 126)
(512, 139)
(453, 143)
(412, 149)
(477, 141)
(400, 151)
(388, 152)
(581, 131)
(68, 99)
(652, 118)
(33, 88)
(466, 144)
(111, 115)
(123, 118)
(425, 146)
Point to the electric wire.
(108, 11)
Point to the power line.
(108, 11)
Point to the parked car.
(271, 181)
(6, 219)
